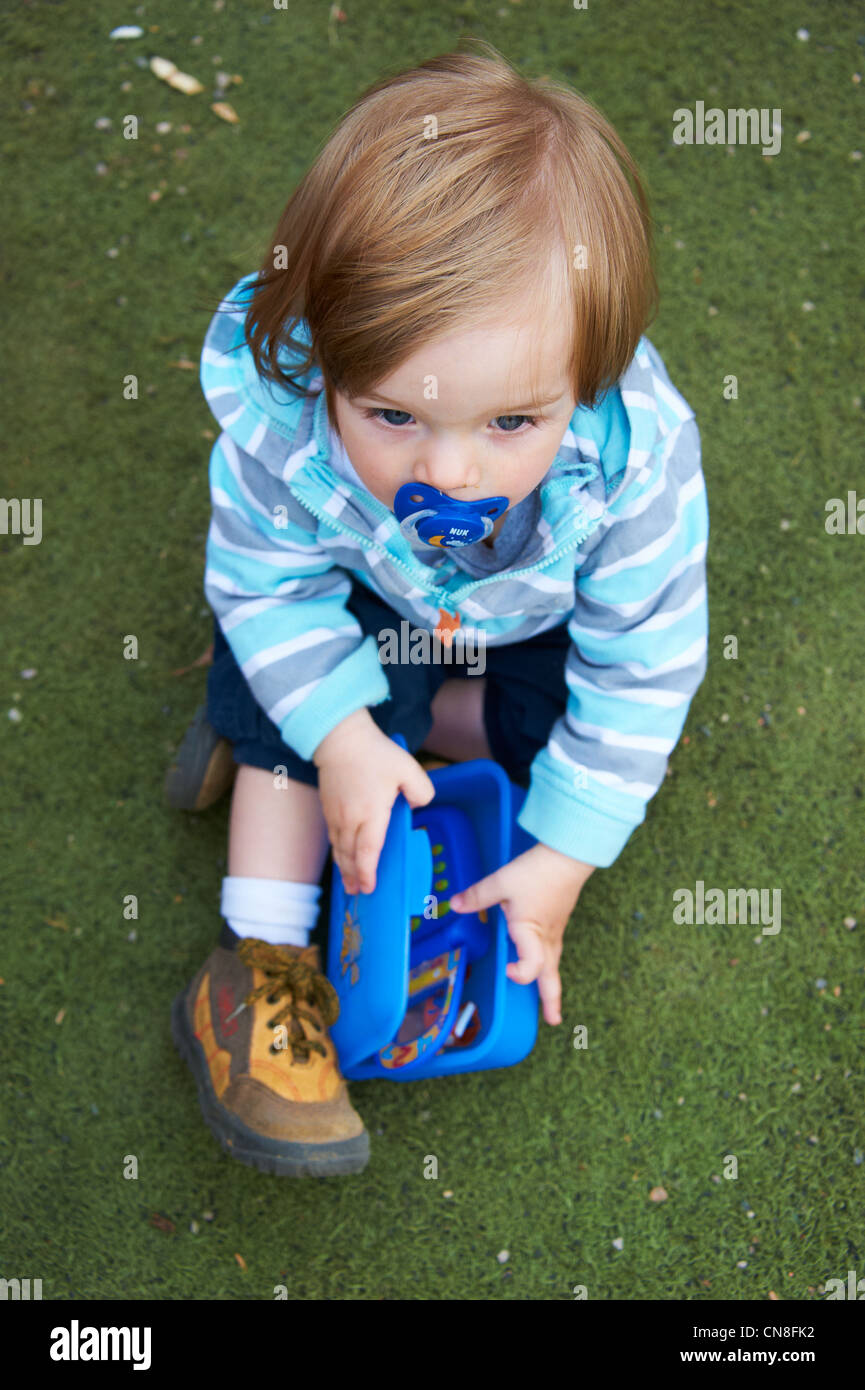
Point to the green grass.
(697, 1035)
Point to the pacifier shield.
(437, 519)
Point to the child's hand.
(538, 892)
(360, 773)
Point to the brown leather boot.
(252, 1026)
(203, 768)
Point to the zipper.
(415, 571)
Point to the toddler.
(451, 311)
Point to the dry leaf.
(657, 1194)
(240, 1260)
(224, 111)
(206, 659)
(162, 1223)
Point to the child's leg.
(278, 844)
(276, 831)
(458, 730)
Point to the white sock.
(272, 909)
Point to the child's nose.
(453, 475)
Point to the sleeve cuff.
(553, 814)
(355, 683)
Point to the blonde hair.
(393, 239)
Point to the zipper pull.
(446, 626)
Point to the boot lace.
(287, 974)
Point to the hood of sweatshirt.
(601, 450)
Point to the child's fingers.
(417, 786)
(370, 838)
(550, 991)
(531, 953)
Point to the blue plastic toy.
(422, 989)
(441, 520)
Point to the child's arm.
(639, 636)
(280, 601)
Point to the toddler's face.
(474, 437)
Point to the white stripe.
(241, 612)
(627, 610)
(314, 637)
(638, 400)
(667, 699)
(655, 624)
(262, 553)
(644, 790)
(671, 397)
(214, 579)
(657, 547)
(284, 708)
(644, 742)
(688, 657)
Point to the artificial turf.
(703, 1041)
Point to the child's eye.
(375, 413)
(378, 412)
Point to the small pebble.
(15, 715)
(657, 1194)
(749, 1215)
(103, 123)
(658, 1114)
(741, 1264)
(163, 127)
(133, 935)
(503, 1256)
(803, 35)
(797, 1086)
(849, 922)
(812, 1139)
(28, 674)
(448, 1193)
(857, 1157)
(127, 31)
(716, 1177)
(618, 1243)
(821, 984)
(194, 1227)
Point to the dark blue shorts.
(525, 694)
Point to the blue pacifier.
(434, 517)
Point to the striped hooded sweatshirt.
(612, 542)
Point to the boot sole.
(283, 1157)
(203, 769)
